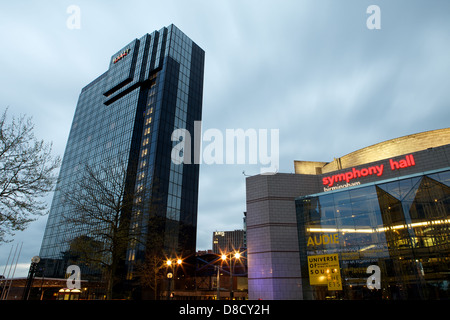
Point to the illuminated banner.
(324, 270)
(323, 239)
(377, 170)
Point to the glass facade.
(153, 86)
(385, 240)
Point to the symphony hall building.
(372, 224)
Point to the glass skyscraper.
(153, 86)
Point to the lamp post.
(169, 264)
(236, 256)
(31, 273)
(218, 282)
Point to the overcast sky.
(311, 69)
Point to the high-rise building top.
(228, 241)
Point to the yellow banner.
(324, 270)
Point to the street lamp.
(169, 264)
(237, 256)
(31, 273)
(224, 257)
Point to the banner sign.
(324, 270)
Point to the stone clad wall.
(272, 241)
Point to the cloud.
(15, 270)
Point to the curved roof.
(391, 148)
(383, 150)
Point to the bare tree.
(101, 203)
(149, 270)
(27, 174)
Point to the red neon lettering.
(120, 56)
(403, 163)
(408, 161)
